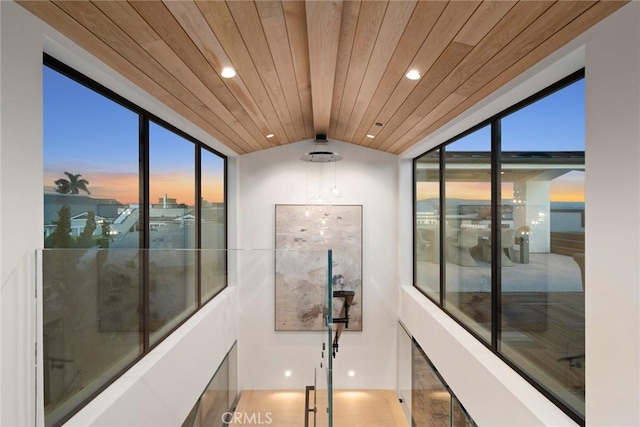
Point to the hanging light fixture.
(321, 155)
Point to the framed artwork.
(304, 234)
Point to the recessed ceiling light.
(287, 373)
(413, 75)
(228, 72)
(378, 124)
(370, 136)
(270, 135)
(351, 373)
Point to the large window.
(510, 267)
(130, 205)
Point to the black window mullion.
(414, 219)
(496, 229)
(442, 225)
(144, 226)
(198, 223)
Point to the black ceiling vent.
(321, 137)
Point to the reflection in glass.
(459, 417)
(172, 271)
(91, 295)
(94, 271)
(217, 402)
(427, 224)
(430, 400)
(467, 178)
(543, 289)
(541, 238)
(213, 260)
(91, 322)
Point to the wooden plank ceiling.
(331, 67)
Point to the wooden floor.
(351, 408)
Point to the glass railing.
(216, 405)
(92, 321)
(330, 341)
(425, 396)
(104, 309)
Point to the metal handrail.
(306, 406)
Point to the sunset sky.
(88, 134)
(567, 188)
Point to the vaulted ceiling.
(331, 67)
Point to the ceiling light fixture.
(321, 155)
(370, 136)
(270, 135)
(413, 75)
(228, 72)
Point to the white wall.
(492, 393)
(21, 212)
(612, 221)
(278, 176)
(200, 346)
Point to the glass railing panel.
(96, 322)
(213, 273)
(92, 322)
(459, 416)
(216, 404)
(430, 400)
(172, 289)
(332, 338)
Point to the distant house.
(80, 205)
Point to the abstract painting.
(304, 234)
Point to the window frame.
(144, 119)
(494, 122)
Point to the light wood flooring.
(352, 408)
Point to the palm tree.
(73, 185)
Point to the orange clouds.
(468, 190)
(124, 187)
